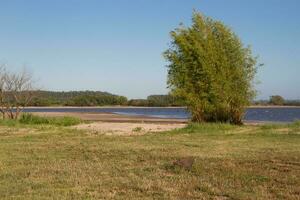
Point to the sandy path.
(109, 128)
(114, 124)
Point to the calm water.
(252, 114)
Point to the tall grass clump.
(58, 121)
(208, 127)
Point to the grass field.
(231, 162)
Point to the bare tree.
(16, 92)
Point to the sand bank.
(117, 128)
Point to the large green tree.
(211, 69)
(277, 100)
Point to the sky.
(116, 45)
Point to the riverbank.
(55, 107)
(118, 118)
(111, 117)
(165, 115)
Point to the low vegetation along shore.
(48, 158)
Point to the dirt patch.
(13, 131)
(109, 128)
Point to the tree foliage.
(157, 101)
(98, 98)
(76, 98)
(163, 100)
(277, 100)
(211, 70)
(138, 102)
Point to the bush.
(58, 121)
(9, 122)
(211, 70)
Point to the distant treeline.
(76, 98)
(286, 103)
(277, 100)
(157, 100)
(97, 98)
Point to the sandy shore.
(117, 128)
(114, 124)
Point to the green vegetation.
(137, 129)
(97, 100)
(211, 70)
(292, 102)
(30, 119)
(231, 162)
(94, 98)
(138, 102)
(164, 100)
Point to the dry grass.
(250, 162)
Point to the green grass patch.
(30, 119)
(57, 121)
(288, 128)
(9, 122)
(205, 128)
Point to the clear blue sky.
(117, 45)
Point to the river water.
(281, 114)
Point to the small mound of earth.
(109, 128)
(185, 163)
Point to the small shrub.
(185, 163)
(137, 129)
